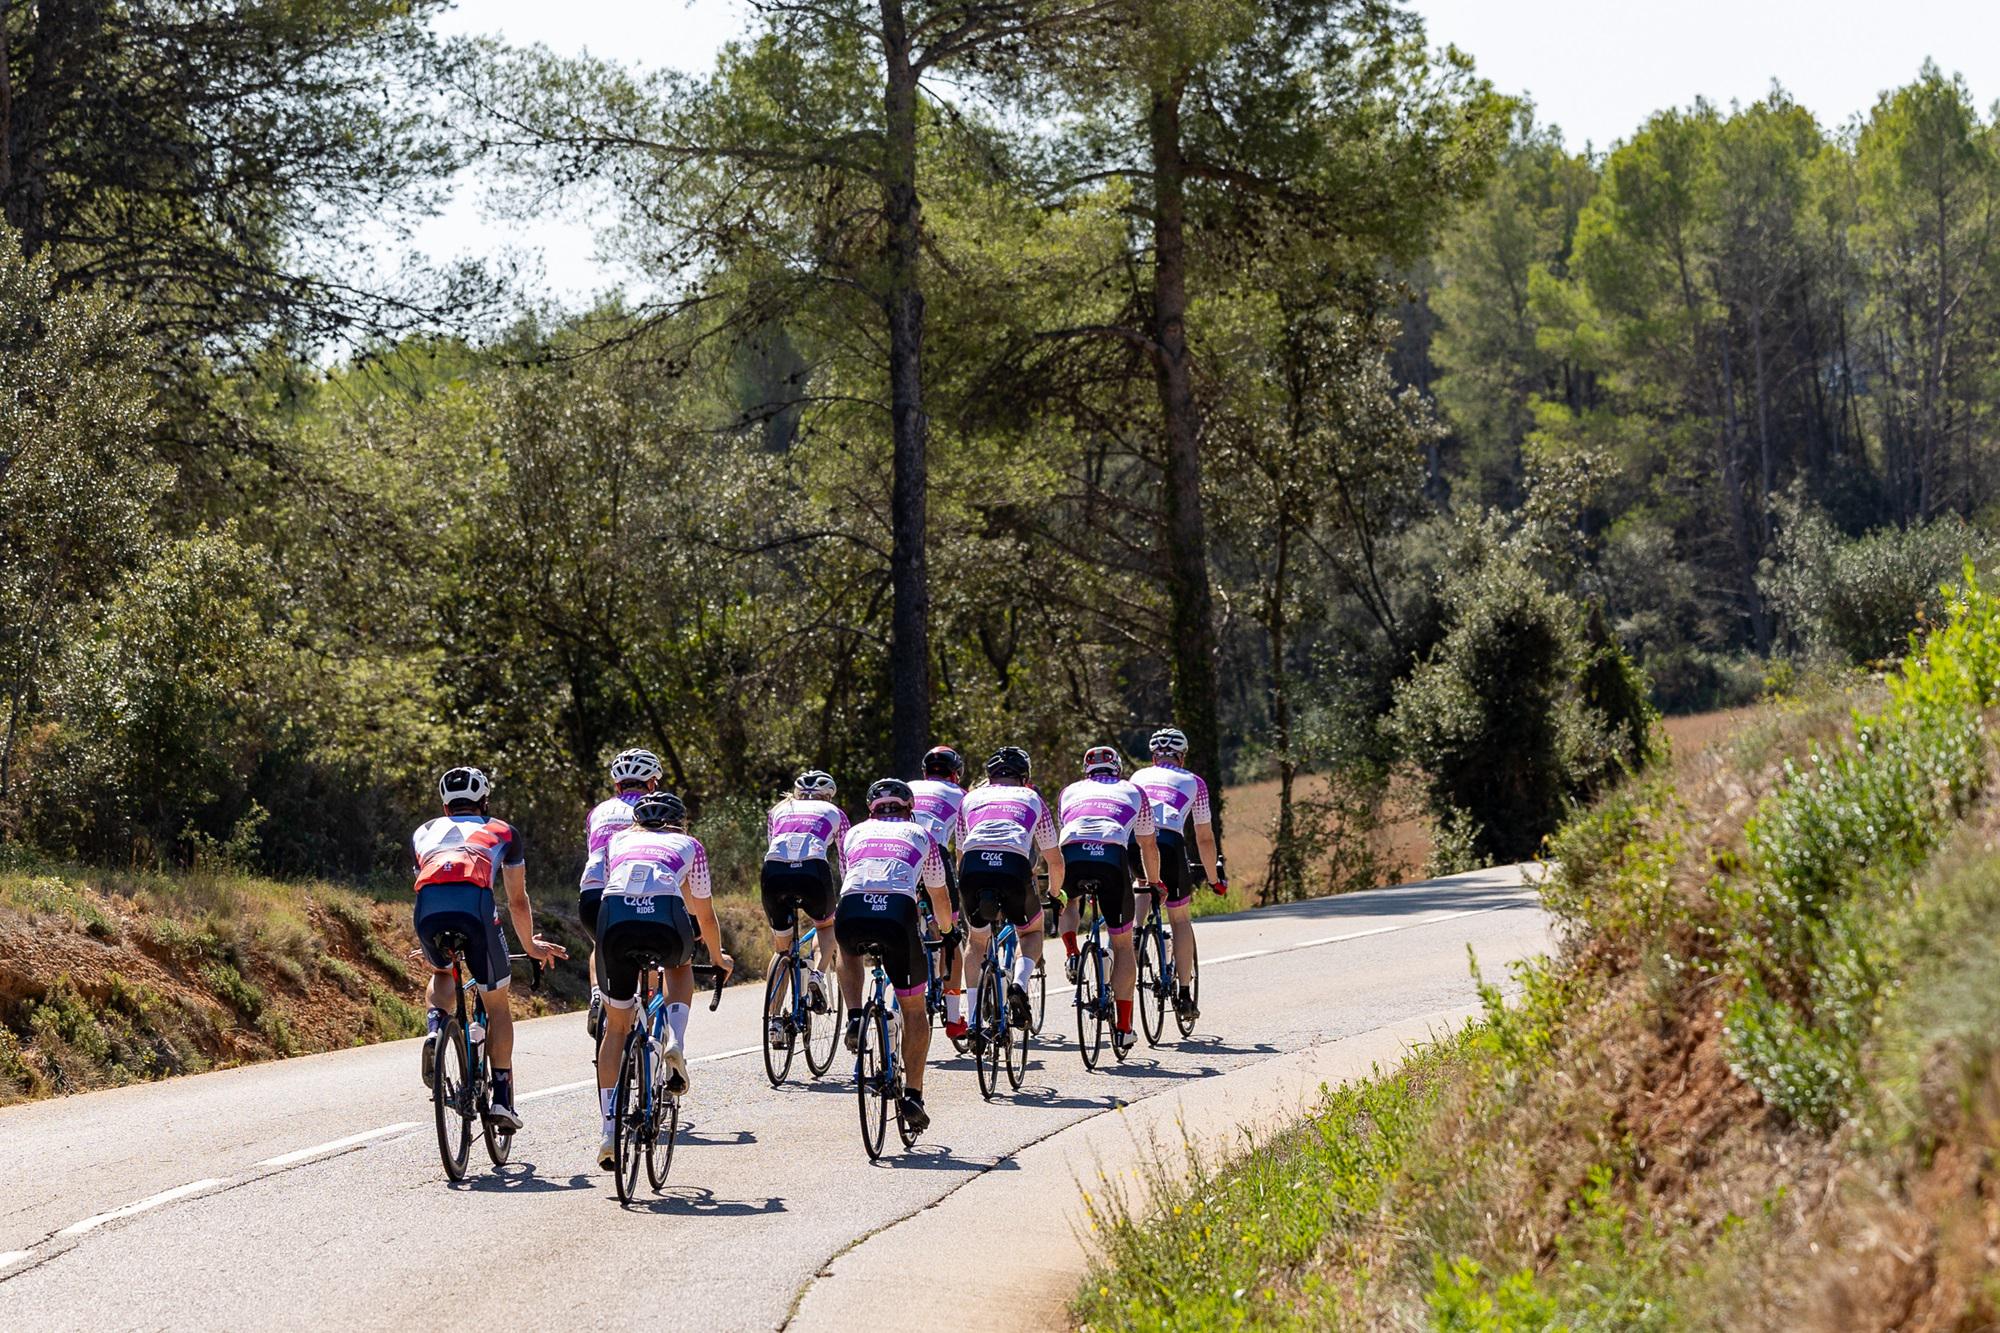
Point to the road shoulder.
(1027, 1226)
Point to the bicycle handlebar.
(535, 968)
(707, 971)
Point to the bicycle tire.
(871, 1079)
(987, 1061)
(659, 1162)
(499, 1142)
(451, 1098)
(1152, 1008)
(1017, 1054)
(1185, 1024)
(1090, 1006)
(1041, 996)
(778, 1003)
(628, 1115)
(828, 1023)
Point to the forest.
(1034, 372)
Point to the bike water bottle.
(477, 1032)
(896, 1028)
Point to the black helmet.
(659, 809)
(890, 792)
(944, 762)
(1009, 761)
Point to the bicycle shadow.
(1154, 1069)
(520, 1177)
(940, 1157)
(1048, 1099)
(1213, 1045)
(699, 1201)
(737, 1138)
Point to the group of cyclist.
(931, 853)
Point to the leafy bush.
(1516, 712)
(1859, 598)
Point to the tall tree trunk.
(1741, 523)
(1191, 628)
(903, 303)
(1283, 875)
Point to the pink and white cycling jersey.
(648, 863)
(606, 818)
(890, 856)
(1005, 819)
(1104, 809)
(936, 807)
(1179, 797)
(803, 831)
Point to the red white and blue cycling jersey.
(1104, 809)
(605, 819)
(465, 849)
(1179, 797)
(1005, 819)
(804, 830)
(936, 805)
(651, 863)
(890, 856)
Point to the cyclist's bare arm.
(515, 877)
(1204, 837)
(1149, 855)
(711, 930)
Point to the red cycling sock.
(1124, 1015)
(1069, 943)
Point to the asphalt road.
(308, 1191)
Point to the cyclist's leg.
(587, 903)
(1142, 899)
(954, 973)
(819, 906)
(676, 941)
(903, 960)
(1180, 897)
(442, 908)
(781, 913)
(1114, 899)
(616, 923)
(850, 930)
(1020, 904)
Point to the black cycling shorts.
(791, 887)
(1100, 869)
(886, 924)
(469, 913)
(1173, 864)
(586, 908)
(996, 884)
(633, 932)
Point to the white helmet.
(1168, 740)
(635, 766)
(463, 784)
(814, 785)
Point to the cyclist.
(890, 858)
(1179, 799)
(1100, 816)
(459, 855)
(805, 830)
(1002, 826)
(633, 774)
(940, 794)
(655, 874)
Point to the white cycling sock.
(1024, 970)
(606, 1098)
(677, 1023)
(952, 1000)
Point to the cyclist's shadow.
(520, 1177)
(698, 1201)
(940, 1157)
(738, 1138)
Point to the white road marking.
(154, 1201)
(335, 1145)
(724, 1055)
(12, 1257)
(556, 1091)
(1360, 934)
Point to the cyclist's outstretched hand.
(543, 951)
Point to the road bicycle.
(1095, 1012)
(1153, 944)
(461, 1076)
(878, 1062)
(996, 1040)
(787, 1002)
(645, 1115)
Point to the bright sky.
(1597, 68)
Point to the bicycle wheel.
(823, 1030)
(1017, 1054)
(1090, 1006)
(778, 1003)
(1152, 1008)
(871, 1079)
(1041, 996)
(659, 1145)
(1192, 982)
(499, 1142)
(451, 1099)
(628, 1115)
(994, 1035)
